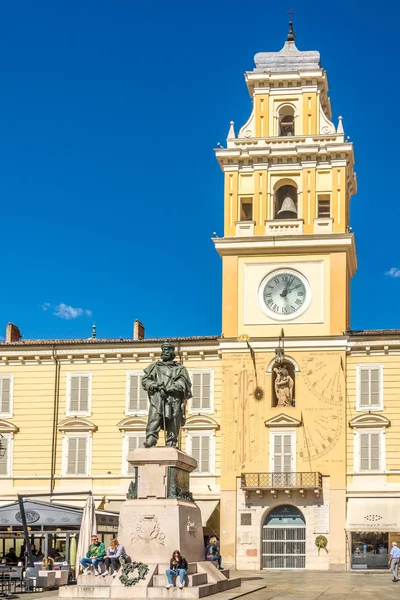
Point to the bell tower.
(288, 252)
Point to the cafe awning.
(373, 514)
(207, 508)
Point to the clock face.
(284, 294)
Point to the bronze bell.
(289, 207)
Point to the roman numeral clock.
(284, 294)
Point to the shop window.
(369, 451)
(246, 209)
(137, 401)
(77, 449)
(79, 387)
(202, 390)
(369, 387)
(369, 550)
(324, 208)
(132, 441)
(286, 202)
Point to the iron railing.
(264, 481)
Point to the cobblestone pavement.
(317, 585)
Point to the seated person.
(11, 557)
(212, 552)
(114, 553)
(178, 567)
(94, 556)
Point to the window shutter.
(134, 442)
(206, 388)
(287, 453)
(375, 386)
(84, 394)
(74, 399)
(205, 454)
(77, 456)
(196, 451)
(137, 396)
(196, 391)
(5, 395)
(201, 391)
(375, 451)
(5, 443)
(370, 386)
(364, 452)
(282, 453)
(277, 453)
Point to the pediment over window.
(7, 427)
(283, 420)
(132, 424)
(201, 422)
(369, 420)
(76, 424)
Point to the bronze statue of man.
(169, 387)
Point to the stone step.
(81, 591)
(190, 580)
(199, 591)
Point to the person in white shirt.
(112, 559)
(394, 559)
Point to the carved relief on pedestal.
(148, 530)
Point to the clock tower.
(288, 252)
(288, 257)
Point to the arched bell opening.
(286, 121)
(286, 202)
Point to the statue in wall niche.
(169, 387)
(283, 385)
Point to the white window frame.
(202, 432)
(128, 391)
(382, 448)
(67, 436)
(368, 366)
(9, 439)
(202, 411)
(8, 414)
(282, 431)
(69, 412)
(125, 448)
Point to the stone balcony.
(287, 482)
(284, 227)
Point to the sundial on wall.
(322, 436)
(324, 380)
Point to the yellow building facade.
(311, 482)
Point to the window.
(286, 202)
(136, 398)
(77, 449)
(5, 455)
(282, 452)
(200, 446)
(324, 208)
(79, 391)
(202, 390)
(369, 387)
(246, 209)
(369, 451)
(6, 394)
(131, 441)
(286, 121)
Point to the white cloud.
(393, 272)
(64, 311)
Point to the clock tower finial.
(291, 34)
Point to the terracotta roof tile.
(99, 341)
(373, 332)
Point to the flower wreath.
(321, 542)
(142, 571)
(47, 562)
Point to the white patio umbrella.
(88, 528)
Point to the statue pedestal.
(158, 518)
(162, 518)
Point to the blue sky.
(109, 113)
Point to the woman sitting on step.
(177, 566)
(114, 553)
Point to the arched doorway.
(284, 539)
